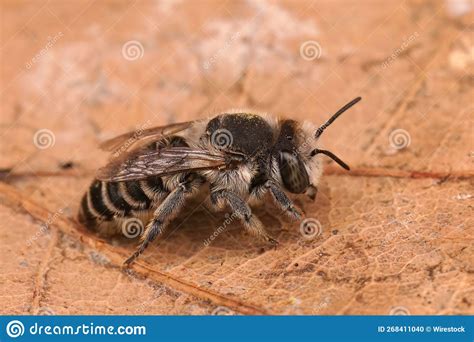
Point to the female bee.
(240, 156)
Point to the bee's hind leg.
(241, 209)
(166, 211)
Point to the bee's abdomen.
(105, 201)
(134, 195)
(116, 198)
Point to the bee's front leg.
(282, 200)
(240, 208)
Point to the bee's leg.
(282, 200)
(312, 192)
(241, 209)
(166, 211)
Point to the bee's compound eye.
(293, 173)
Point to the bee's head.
(293, 159)
(288, 162)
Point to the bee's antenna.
(321, 129)
(330, 155)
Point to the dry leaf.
(393, 236)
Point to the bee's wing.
(126, 140)
(170, 160)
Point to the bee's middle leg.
(240, 208)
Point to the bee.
(239, 156)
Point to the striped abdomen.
(106, 201)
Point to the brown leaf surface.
(397, 231)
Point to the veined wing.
(167, 161)
(123, 142)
